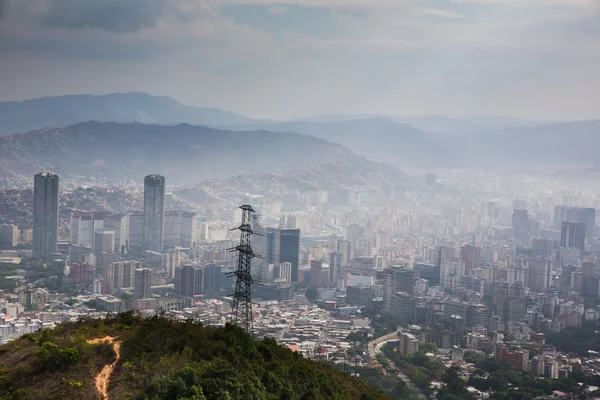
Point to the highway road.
(374, 348)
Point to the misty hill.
(119, 107)
(435, 123)
(183, 153)
(380, 139)
(157, 358)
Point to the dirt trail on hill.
(103, 378)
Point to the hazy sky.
(288, 58)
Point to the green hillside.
(157, 358)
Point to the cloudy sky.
(288, 58)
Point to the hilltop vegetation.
(164, 359)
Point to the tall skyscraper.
(104, 241)
(143, 280)
(282, 245)
(45, 214)
(541, 247)
(471, 256)
(154, 211)
(572, 234)
(289, 249)
(520, 225)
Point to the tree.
(311, 294)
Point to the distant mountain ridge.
(63, 111)
(403, 145)
(184, 153)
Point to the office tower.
(346, 250)
(102, 263)
(572, 234)
(143, 280)
(316, 274)
(431, 272)
(586, 216)
(80, 274)
(119, 224)
(9, 236)
(154, 211)
(359, 295)
(213, 278)
(82, 228)
(136, 229)
(560, 216)
(45, 214)
(283, 272)
(540, 274)
(334, 266)
(397, 279)
(122, 274)
(444, 253)
(104, 241)
(173, 261)
(471, 256)
(289, 249)
(520, 225)
(403, 305)
(541, 247)
(189, 281)
(172, 229)
(188, 229)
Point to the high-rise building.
(189, 281)
(572, 234)
(396, 279)
(143, 281)
(542, 247)
(316, 273)
(173, 261)
(560, 216)
(45, 214)
(283, 272)
(586, 216)
(104, 241)
(540, 274)
(431, 272)
(119, 224)
(334, 267)
(122, 274)
(9, 236)
(289, 249)
(403, 305)
(136, 230)
(471, 256)
(154, 212)
(520, 225)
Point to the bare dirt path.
(103, 378)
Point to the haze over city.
(300, 199)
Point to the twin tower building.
(46, 207)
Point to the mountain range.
(186, 154)
(67, 110)
(118, 107)
(383, 139)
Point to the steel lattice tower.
(241, 312)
